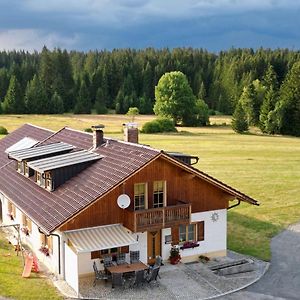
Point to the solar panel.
(63, 160)
(38, 151)
(24, 143)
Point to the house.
(79, 196)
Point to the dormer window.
(38, 178)
(48, 181)
(19, 166)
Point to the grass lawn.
(264, 167)
(12, 284)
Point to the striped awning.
(100, 238)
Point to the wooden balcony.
(157, 218)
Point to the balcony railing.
(158, 218)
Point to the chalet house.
(63, 189)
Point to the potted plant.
(174, 255)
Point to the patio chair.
(117, 280)
(139, 278)
(107, 262)
(134, 257)
(153, 275)
(99, 275)
(121, 258)
(158, 263)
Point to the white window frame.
(164, 191)
(145, 196)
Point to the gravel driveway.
(282, 280)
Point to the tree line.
(260, 81)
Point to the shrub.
(88, 129)
(151, 127)
(3, 130)
(159, 125)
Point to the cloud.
(30, 39)
(90, 24)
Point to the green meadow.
(266, 168)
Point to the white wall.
(33, 240)
(141, 245)
(71, 268)
(215, 235)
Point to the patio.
(182, 281)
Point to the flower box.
(45, 250)
(188, 245)
(25, 230)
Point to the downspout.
(232, 206)
(54, 234)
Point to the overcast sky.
(103, 24)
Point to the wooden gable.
(182, 185)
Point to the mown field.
(265, 167)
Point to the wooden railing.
(158, 218)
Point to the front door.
(154, 245)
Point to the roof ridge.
(135, 144)
(40, 127)
(77, 130)
(50, 136)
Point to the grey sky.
(90, 24)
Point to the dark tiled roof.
(50, 209)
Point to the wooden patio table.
(127, 268)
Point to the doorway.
(154, 245)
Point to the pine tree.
(57, 104)
(100, 102)
(36, 97)
(202, 91)
(266, 108)
(83, 104)
(247, 100)
(14, 98)
(239, 119)
(288, 108)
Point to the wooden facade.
(186, 193)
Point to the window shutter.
(50, 243)
(175, 235)
(200, 231)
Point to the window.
(27, 223)
(38, 178)
(112, 251)
(48, 181)
(46, 241)
(11, 210)
(26, 169)
(187, 233)
(158, 193)
(140, 196)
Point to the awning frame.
(122, 230)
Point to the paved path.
(282, 280)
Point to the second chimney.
(131, 133)
(97, 135)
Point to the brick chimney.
(131, 133)
(97, 135)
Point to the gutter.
(232, 206)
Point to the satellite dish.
(123, 201)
